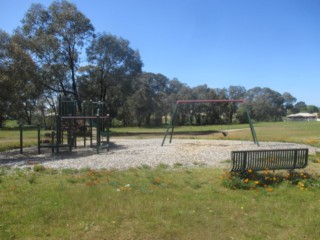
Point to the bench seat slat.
(269, 159)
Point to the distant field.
(298, 132)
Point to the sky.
(220, 43)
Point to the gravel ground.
(128, 153)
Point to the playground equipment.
(180, 102)
(70, 124)
(82, 124)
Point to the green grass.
(160, 203)
(10, 139)
(298, 132)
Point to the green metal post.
(253, 132)
(171, 125)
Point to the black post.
(108, 131)
(52, 141)
(59, 131)
(39, 139)
(98, 132)
(70, 135)
(21, 138)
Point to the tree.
(55, 38)
(149, 97)
(289, 101)
(300, 107)
(19, 92)
(114, 67)
(265, 104)
(235, 93)
(312, 109)
(5, 84)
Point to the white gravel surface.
(128, 153)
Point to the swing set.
(182, 102)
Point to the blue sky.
(250, 43)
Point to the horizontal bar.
(83, 117)
(209, 101)
(273, 150)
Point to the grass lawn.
(298, 132)
(160, 203)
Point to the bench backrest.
(269, 159)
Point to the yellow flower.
(250, 171)
(269, 189)
(157, 180)
(246, 180)
(256, 182)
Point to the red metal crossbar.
(208, 101)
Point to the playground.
(82, 140)
(125, 153)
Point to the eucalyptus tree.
(183, 116)
(289, 101)
(148, 99)
(200, 110)
(114, 67)
(266, 104)
(235, 93)
(19, 93)
(300, 106)
(55, 38)
(312, 109)
(5, 84)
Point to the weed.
(177, 165)
(32, 179)
(163, 166)
(39, 168)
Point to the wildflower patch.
(251, 180)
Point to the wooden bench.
(257, 160)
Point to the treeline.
(56, 51)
